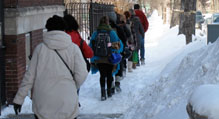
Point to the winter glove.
(17, 108)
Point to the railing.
(88, 15)
(81, 13)
(2, 67)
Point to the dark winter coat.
(137, 30)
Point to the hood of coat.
(57, 39)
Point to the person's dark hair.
(72, 24)
(55, 23)
(112, 24)
(104, 20)
(136, 6)
(127, 14)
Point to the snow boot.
(142, 62)
(138, 64)
(118, 78)
(117, 86)
(124, 72)
(109, 94)
(103, 94)
(113, 88)
(130, 66)
(134, 66)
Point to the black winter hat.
(55, 23)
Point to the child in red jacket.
(72, 30)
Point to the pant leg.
(35, 116)
(109, 76)
(103, 74)
(124, 63)
(121, 68)
(142, 50)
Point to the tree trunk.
(164, 12)
(175, 13)
(187, 19)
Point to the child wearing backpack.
(107, 48)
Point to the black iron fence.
(88, 15)
(2, 69)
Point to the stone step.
(81, 116)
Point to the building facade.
(24, 24)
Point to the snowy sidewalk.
(87, 116)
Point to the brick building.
(24, 23)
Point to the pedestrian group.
(60, 64)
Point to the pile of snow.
(167, 98)
(205, 101)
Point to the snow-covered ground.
(161, 88)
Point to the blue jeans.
(142, 50)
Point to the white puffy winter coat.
(54, 88)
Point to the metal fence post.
(91, 17)
(2, 67)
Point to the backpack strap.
(81, 44)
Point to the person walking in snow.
(144, 21)
(72, 30)
(123, 34)
(104, 42)
(56, 70)
(130, 40)
(138, 34)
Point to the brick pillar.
(23, 21)
(15, 64)
(36, 37)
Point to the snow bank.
(205, 101)
(167, 98)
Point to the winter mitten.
(17, 108)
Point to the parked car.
(199, 20)
(215, 18)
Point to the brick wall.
(14, 64)
(16, 60)
(15, 54)
(28, 3)
(35, 37)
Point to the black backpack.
(100, 44)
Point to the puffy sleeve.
(87, 50)
(80, 68)
(28, 80)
